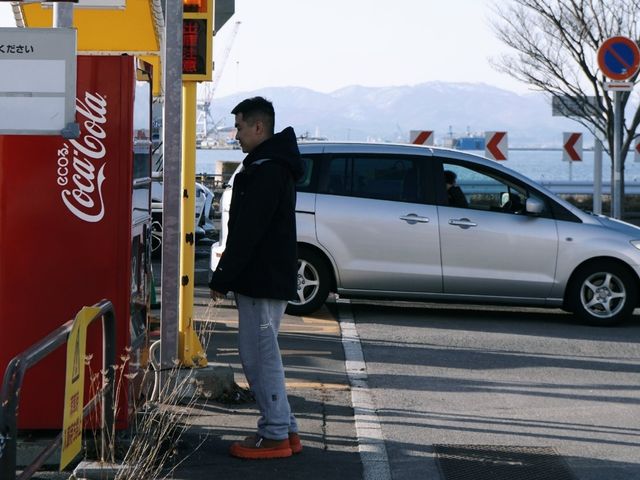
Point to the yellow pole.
(190, 349)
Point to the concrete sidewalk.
(318, 392)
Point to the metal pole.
(172, 145)
(597, 175)
(63, 15)
(616, 184)
(191, 351)
(108, 401)
(570, 170)
(9, 390)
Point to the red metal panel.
(65, 230)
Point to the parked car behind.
(204, 223)
(373, 221)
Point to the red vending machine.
(75, 229)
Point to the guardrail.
(586, 187)
(12, 383)
(215, 182)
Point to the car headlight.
(635, 243)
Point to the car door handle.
(462, 222)
(412, 219)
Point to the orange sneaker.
(294, 442)
(257, 447)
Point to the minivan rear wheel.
(313, 283)
(603, 294)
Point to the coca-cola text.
(84, 173)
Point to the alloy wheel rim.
(603, 295)
(308, 283)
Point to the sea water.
(547, 165)
(207, 160)
(539, 165)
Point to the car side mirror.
(534, 206)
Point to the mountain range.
(389, 113)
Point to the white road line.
(373, 452)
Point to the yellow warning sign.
(74, 386)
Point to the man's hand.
(217, 295)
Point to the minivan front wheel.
(603, 294)
(313, 283)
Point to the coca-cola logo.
(81, 164)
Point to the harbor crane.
(205, 124)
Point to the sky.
(325, 45)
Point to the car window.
(304, 183)
(338, 178)
(380, 177)
(480, 190)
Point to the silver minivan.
(376, 221)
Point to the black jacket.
(260, 259)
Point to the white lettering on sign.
(83, 198)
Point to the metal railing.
(586, 187)
(12, 383)
(215, 182)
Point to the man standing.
(259, 265)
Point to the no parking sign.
(619, 58)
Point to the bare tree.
(556, 44)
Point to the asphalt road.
(498, 376)
(450, 374)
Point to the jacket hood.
(282, 147)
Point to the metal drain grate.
(499, 462)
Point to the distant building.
(470, 141)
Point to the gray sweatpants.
(259, 320)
